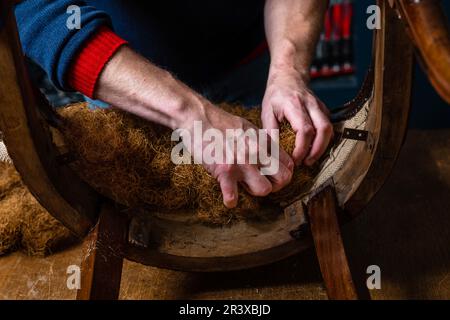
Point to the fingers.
(324, 133)
(252, 180)
(229, 188)
(255, 183)
(269, 121)
(282, 178)
(301, 123)
(285, 159)
(286, 165)
(309, 120)
(285, 169)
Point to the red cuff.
(90, 61)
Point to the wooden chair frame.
(428, 28)
(27, 122)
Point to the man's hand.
(292, 30)
(247, 175)
(289, 98)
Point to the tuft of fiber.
(24, 223)
(128, 160)
(10, 223)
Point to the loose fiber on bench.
(24, 224)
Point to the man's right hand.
(132, 83)
(230, 175)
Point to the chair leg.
(101, 268)
(329, 246)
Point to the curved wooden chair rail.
(429, 29)
(27, 122)
(24, 120)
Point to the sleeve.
(89, 62)
(47, 39)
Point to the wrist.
(182, 105)
(186, 109)
(288, 59)
(281, 76)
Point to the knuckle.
(290, 164)
(263, 190)
(300, 153)
(299, 95)
(284, 178)
(308, 130)
(313, 101)
(326, 128)
(294, 101)
(224, 170)
(287, 176)
(272, 98)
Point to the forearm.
(292, 30)
(132, 83)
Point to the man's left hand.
(288, 98)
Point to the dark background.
(428, 109)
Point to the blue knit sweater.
(196, 40)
